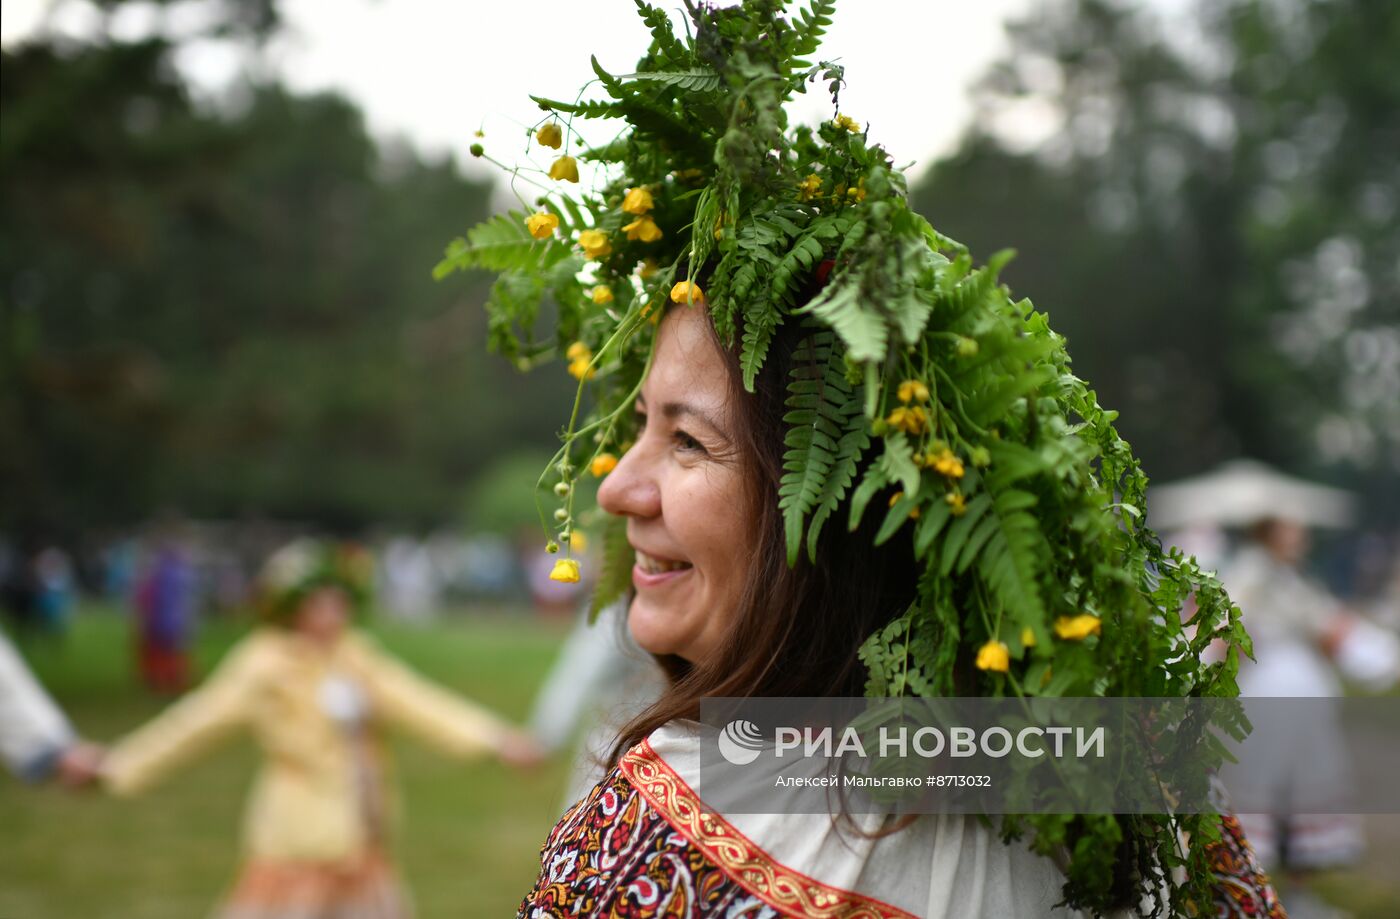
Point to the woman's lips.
(642, 578)
(646, 573)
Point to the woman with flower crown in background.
(316, 694)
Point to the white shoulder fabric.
(940, 867)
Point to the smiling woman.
(688, 503)
(851, 464)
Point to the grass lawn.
(470, 839)
(468, 842)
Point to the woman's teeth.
(658, 566)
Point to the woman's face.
(683, 491)
(323, 615)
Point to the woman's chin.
(653, 629)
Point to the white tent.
(1242, 492)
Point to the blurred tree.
(230, 309)
(1205, 200)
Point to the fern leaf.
(844, 308)
(615, 573)
(697, 79)
(663, 38)
(874, 480)
(501, 244)
(826, 440)
(1013, 558)
(811, 26)
(760, 321)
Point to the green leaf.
(825, 443)
(615, 573)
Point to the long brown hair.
(798, 630)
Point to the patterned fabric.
(1242, 889)
(614, 854)
(641, 845)
(365, 888)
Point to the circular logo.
(740, 742)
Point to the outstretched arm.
(432, 713)
(190, 726)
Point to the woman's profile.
(838, 460)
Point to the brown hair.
(798, 629)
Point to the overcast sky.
(434, 71)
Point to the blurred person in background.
(1303, 636)
(411, 583)
(601, 680)
(36, 740)
(317, 695)
(165, 601)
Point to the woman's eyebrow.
(673, 410)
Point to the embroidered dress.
(641, 844)
(363, 887)
(318, 816)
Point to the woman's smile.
(654, 571)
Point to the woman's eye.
(686, 442)
(641, 417)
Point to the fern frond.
(825, 443)
(844, 307)
(501, 244)
(1013, 558)
(697, 79)
(615, 573)
(663, 37)
(761, 319)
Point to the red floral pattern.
(640, 845)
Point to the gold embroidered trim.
(738, 856)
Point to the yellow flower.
(993, 656)
(565, 169)
(1077, 628)
(649, 268)
(637, 201)
(810, 187)
(1027, 638)
(910, 420)
(578, 350)
(945, 463)
(566, 570)
(913, 512)
(686, 292)
(643, 228)
(542, 225)
(594, 243)
(913, 391)
(578, 542)
(856, 192)
(847, 122)
(602, 464)
(550, 135)
(957, 503)
(602, 295)
(579, 369)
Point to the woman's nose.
(631, 489)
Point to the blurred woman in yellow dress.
(316, 694)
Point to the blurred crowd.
(174, 571)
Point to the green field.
(468, 843)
